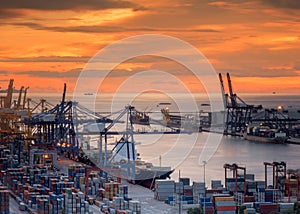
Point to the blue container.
(260, 189)
(225, 203)
(185, 181)
(70, 172)
(171, 198)
(190, 201)
(207, 204)
(226, 212)
(187, 198)
(269, 200)
(53, 197)
(268, 193)
(204, 199)
(230, 180)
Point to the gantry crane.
(234, 168)
(278, 174)
(238, 112)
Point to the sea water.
(184, 154)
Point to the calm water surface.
(231, 149)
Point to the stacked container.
(42, 206)
(207, 205)
(272, 195)
(135, 207)
(185, 181)
(123, 191)
(251, 188)
(187, 190)
(4, 200)
(178, 187)
(198, 191)
(75, 203)
(14, 174)
(56, 204)
(164, 189)
(224, 205)
(111, 190)
(216, 184)
(260, 191)
(268, 208)
(291, 187)
(3, 163)
(286, 207)
(231, 184)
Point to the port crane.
(235, 168)
(279, 174)
(238, 112)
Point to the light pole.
(204, 201)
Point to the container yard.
(257, 197)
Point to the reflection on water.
(231, 150)
(185, 153)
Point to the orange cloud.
(258, 41)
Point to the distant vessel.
(88, 94)
(140, 118)
(188, 122)
(205, 104)
(265, 135)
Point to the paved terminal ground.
(14, 207)
(148, 204)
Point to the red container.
(188, 192)
(209, 210)
(248, 199)
(226, 208)
(268, 208)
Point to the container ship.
(147, 174)
(265, 135)
(137, 171)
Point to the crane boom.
(10, 89)
(232, 95)
(24, 97)
(224, 95)
(19, 98)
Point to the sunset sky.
(46, 43)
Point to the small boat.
(140, 118)
(265, 135)
(88, 94)
(205, 104)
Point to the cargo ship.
(293, 140)
(134, 169)
(146, 174)
(265, 135)
(189, 122)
